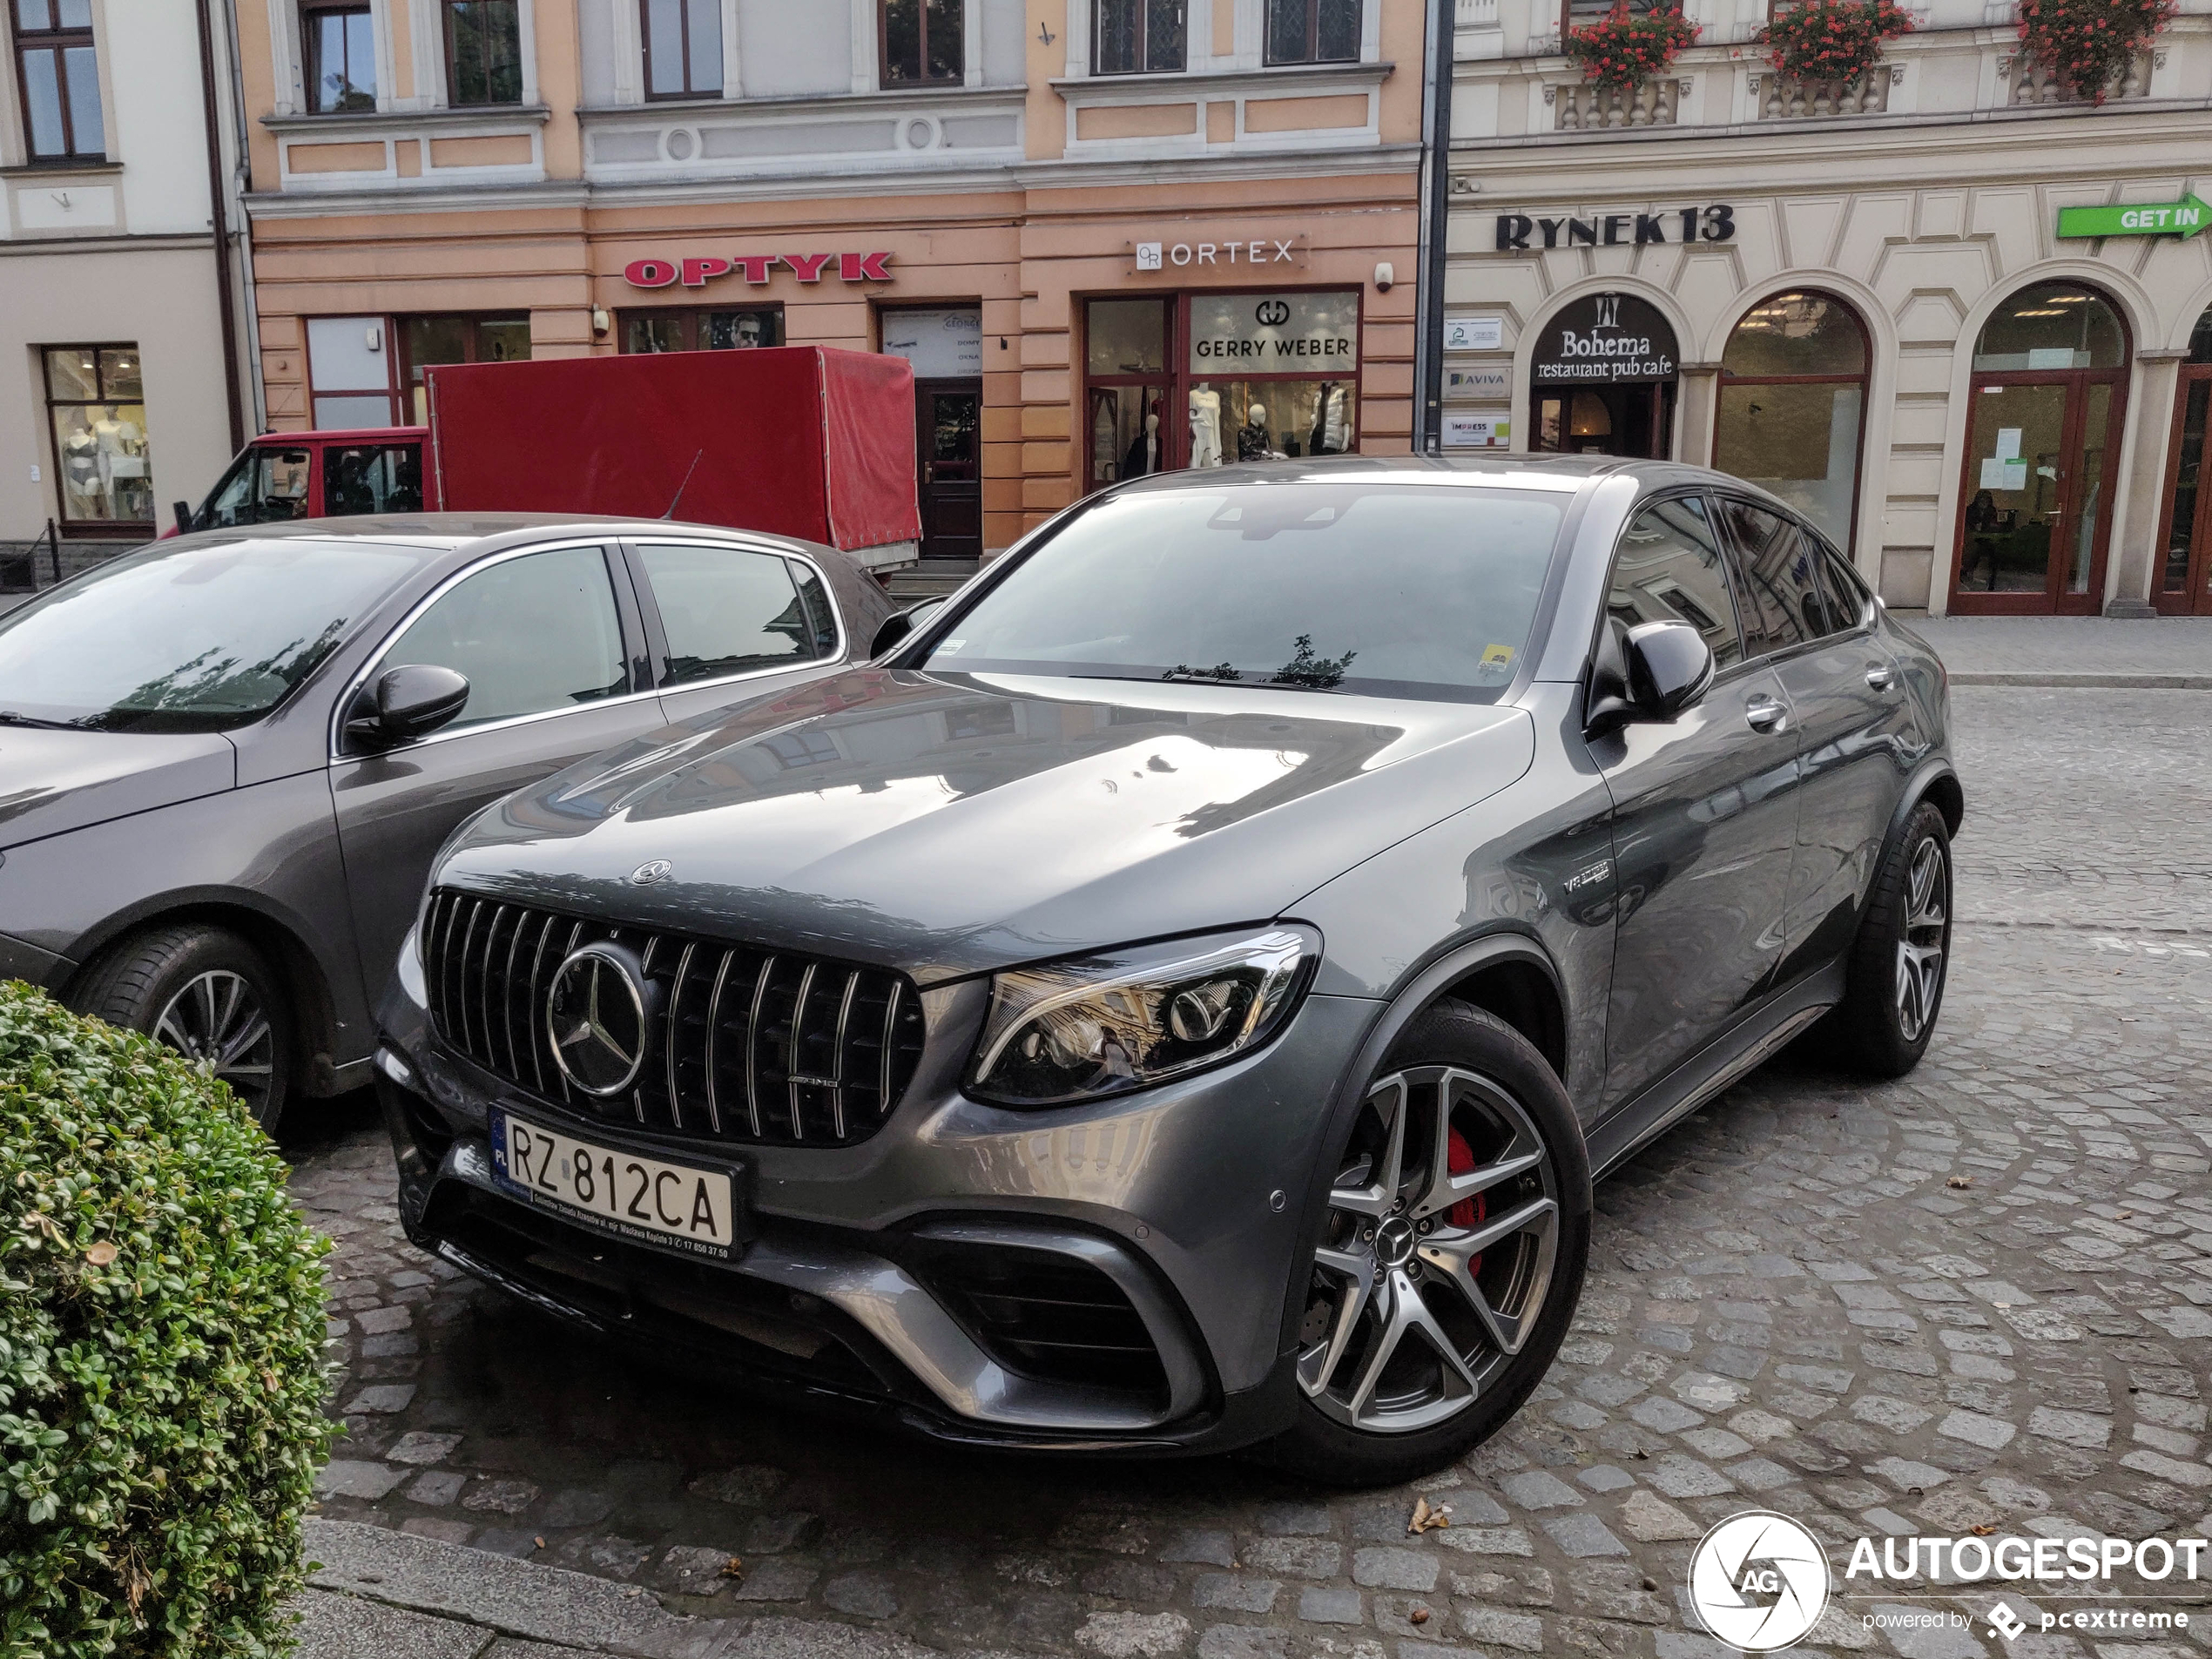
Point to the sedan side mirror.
(1652, 672)
(405, 703)
(896, 628)
(183, 509)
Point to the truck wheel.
(210, 996)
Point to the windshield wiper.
(9, 717)
(1187, 677)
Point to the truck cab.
(315, 474)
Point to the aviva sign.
(2183, 217)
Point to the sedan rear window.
(1388, 590)
(190, 639)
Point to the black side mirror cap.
(405, 703)
(183, 510)
(1652, 672)
(899, 626)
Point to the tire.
(1899, 962)
(199, 989)
(1397, 1260)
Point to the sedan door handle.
(1881, 677)
(1765, 714)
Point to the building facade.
(1861, 296)
(1111, 236)
(116, 396)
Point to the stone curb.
(376, 1593)
(2090, 682)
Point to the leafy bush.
(2088, 43)
(161, 1337)
(1621, 51)
(1833, 40)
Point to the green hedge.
(161, 1340)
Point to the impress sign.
(698, 270)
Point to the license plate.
(673, 1205)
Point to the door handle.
(1765, 714)
(1881, 678)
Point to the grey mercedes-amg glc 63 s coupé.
(1179, 994)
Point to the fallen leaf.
(1983, 1530)
(1426, 1519)
(1961, 1181)
(1419, 1616)
(539, 1542)
(102, 1253)
(733, 1567)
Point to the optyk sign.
(698, 270)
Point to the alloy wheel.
(1436, 1254)
(216, 1019)
(1921, 946)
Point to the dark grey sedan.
(1181, 996)
(227, 759)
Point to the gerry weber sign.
(1608, 339)
(1713, 224)
(1271, 333)
(694, 272)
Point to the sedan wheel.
(1443, 1230)
(1894, 974)
(1921, 945)
(216, 1019)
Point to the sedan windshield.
(1385, 590)
(189, 639)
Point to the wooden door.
(948, 427)
(2182, 580)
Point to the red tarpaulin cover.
(799, 441)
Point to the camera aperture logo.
(1759, 1580)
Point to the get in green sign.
(2183, 217)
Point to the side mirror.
(1652, 672)
(406, 702)
(896, 628)
(183, 509)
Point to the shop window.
(1142, 36)
(2052, 326)
(95, 412)
(2185, 579)
(483, 52)
(683, 47)
(702, 328)
(58, 67)
(1313, 31)
(338, 54)
(1792, 405)
(923, 42)
(426, 342)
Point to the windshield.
(1386, 590)
(263, 487)
(190, 639)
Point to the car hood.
(51, 782)
(949, 825)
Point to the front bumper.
(1103, 1277)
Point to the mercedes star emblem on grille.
(646, 874)
(595, 1015)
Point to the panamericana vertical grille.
(749, 1045)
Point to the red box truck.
(798, 441)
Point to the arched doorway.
(1603, 382)
(2048, 396)
(1793, 406)
(2185, 573)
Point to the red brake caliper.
(1467, 1214)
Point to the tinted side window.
(531, 634)
(1782, 605)
(1847, 595)
(820, 616)
(727, 611)
(1669, 570)
(374, 478)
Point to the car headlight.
(1125, 1020)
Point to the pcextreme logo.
(1759, 1580)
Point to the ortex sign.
(2183, 217)
(697, 271)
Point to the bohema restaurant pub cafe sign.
(1616, 338)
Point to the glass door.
(2185, 571)
(2036, 500)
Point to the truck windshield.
(190, 639)
(264, 486)
(1385, 590)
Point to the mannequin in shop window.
(81, 473)
(1252, 442)
(1331, 422)
(1144, 454)
(1205, 426)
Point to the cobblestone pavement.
(2071, 646)
(1974, 1299)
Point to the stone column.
(1697, 407)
